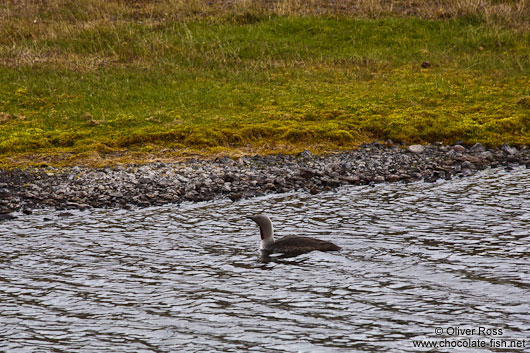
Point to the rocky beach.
(199, 180)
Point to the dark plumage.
(302, 244)
(289, 244)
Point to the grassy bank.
(122, 78)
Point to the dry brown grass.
(25, 24)
(515, 13)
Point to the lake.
(443, 264)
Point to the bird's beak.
(252, 218)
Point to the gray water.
(416, 259)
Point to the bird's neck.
(267, 236)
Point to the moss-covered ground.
(98, 82)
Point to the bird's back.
(293, 244)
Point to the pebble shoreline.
(200, 180)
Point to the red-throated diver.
(289, 244)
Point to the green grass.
(266, 83)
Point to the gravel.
(249, 176)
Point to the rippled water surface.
(415, 259)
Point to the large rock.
(416, 148)
(477, 148)
(305, 154)
(509, 150)
(459, 148)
